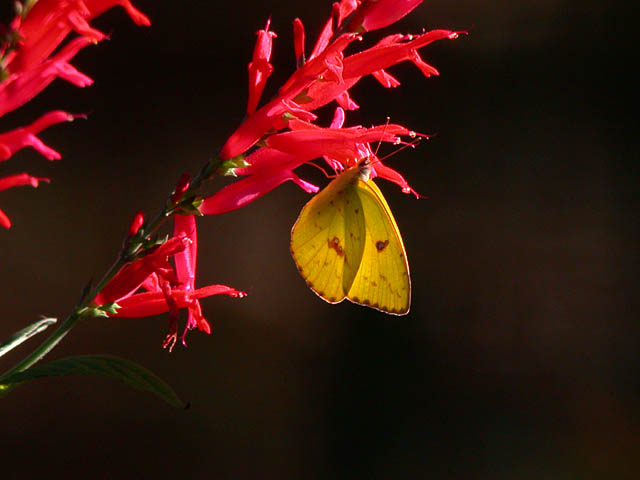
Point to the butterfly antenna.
(386, 124)
(321, 169)
(412, 144)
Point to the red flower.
(289, 101)
(50, 21)
(388, 52)
(26, 69)
(275, 163)
(298, 41)
(269, 168)
(164, 288)
(132, 276)
(375, 14)
(46, 25)
(19, 138)
(328, 75)
(22, 86)
(16, 181)
(260, 69)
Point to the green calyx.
(227, 167)
(99, 311)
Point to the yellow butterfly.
(346, 244)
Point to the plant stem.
(205, 173)
(65, 326)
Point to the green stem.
(207, 172)
(65, 326)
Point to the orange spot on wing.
(335, 244)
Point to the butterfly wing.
(382, 281)
(327, 240)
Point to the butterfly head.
(365, 169)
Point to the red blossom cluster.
(274, 140)
(151, 285)
(27, 67)
(326, 75)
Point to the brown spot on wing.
(380, 245)
(335, 244)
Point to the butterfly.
(346, 244)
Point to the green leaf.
(132, 374)
(25, 334)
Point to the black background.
(520, 356)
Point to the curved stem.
(58, 334)
(205, 173)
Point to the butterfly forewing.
(317, 244)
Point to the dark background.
(519, 359)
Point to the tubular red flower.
(28, 69)
(165, 288)
(289, 100)
(136, 223)
(375, 14)
(269, 169)
(131, 276)
(388, 52)
(153, 303)
(275, 163)
(328, 76)
(259, 68)
(14, 140)
(298, 41)
(17, 180)
(50, 21)
(21, 87)
(307, 141)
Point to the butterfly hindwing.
(383, 280)
(346, 244)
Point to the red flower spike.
(259, 68)
(136, 223)
(390, 51)
(21, 87)
(50, 21)
(168, 289)
(375, 14)
(274, 164)
(326, 76)
(14, 140)
(270, 115)
(17, 180)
